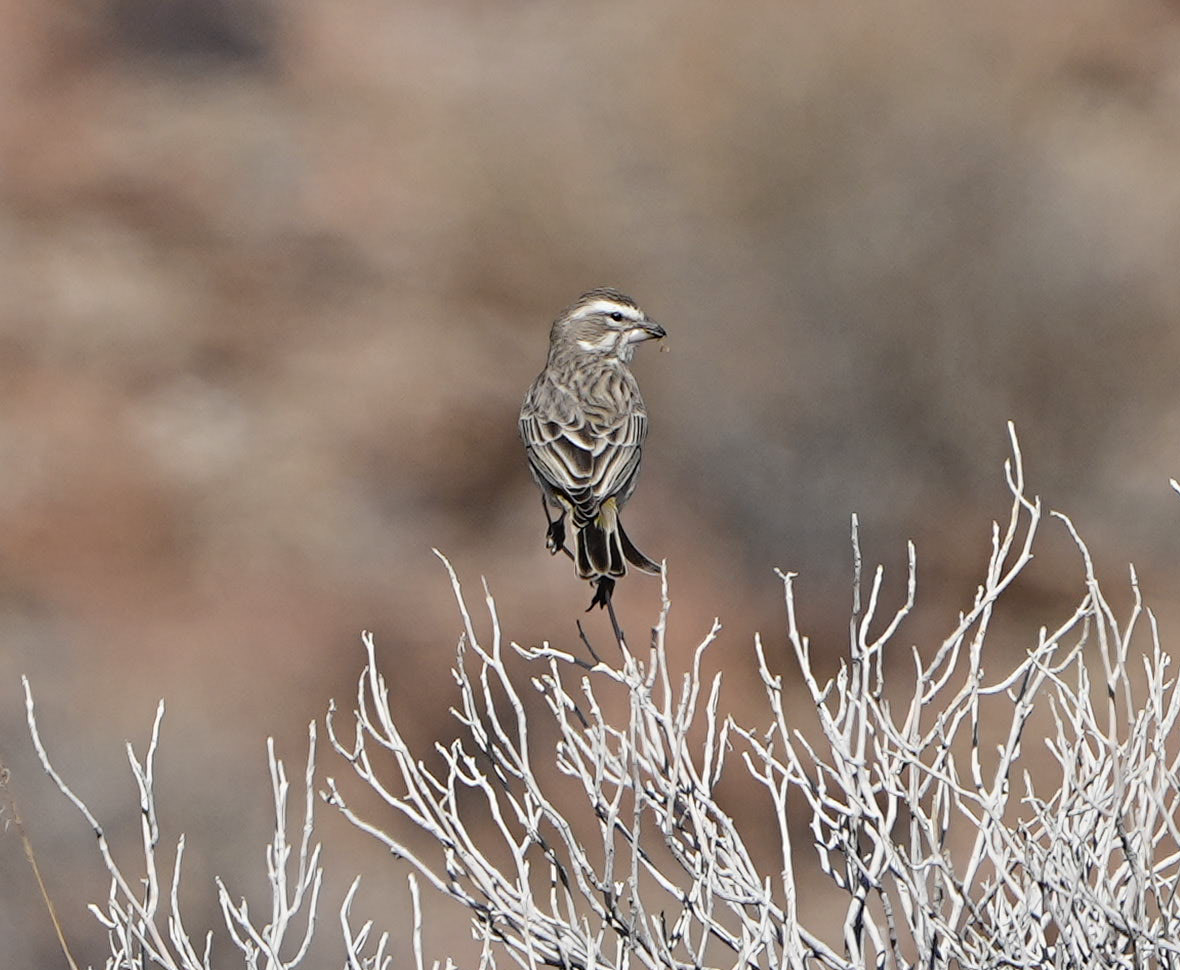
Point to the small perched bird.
(583, 423)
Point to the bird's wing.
(617, 461)
(586, 460)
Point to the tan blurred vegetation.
(273, 278)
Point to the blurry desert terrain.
(274, 277)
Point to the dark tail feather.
(635, 557)
(597, 552)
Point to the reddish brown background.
(273, 278)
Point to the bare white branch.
(287, 900)
(133, 921)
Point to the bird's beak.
(648, 330)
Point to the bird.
(583, 423)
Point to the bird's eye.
(617, 316)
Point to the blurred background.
(275, 276)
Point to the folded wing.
(584, 459)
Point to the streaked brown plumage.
(583, 424)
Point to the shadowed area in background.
(274, 278)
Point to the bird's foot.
(605, 586)
(555, 536)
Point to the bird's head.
(604, 321)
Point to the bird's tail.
(602, 548)
(598, 551)
(635, 557)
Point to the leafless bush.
(142, 915)
(613, 848)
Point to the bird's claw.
(555, 537)
(604, 587)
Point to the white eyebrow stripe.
(609, 306)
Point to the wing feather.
(589, 451)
